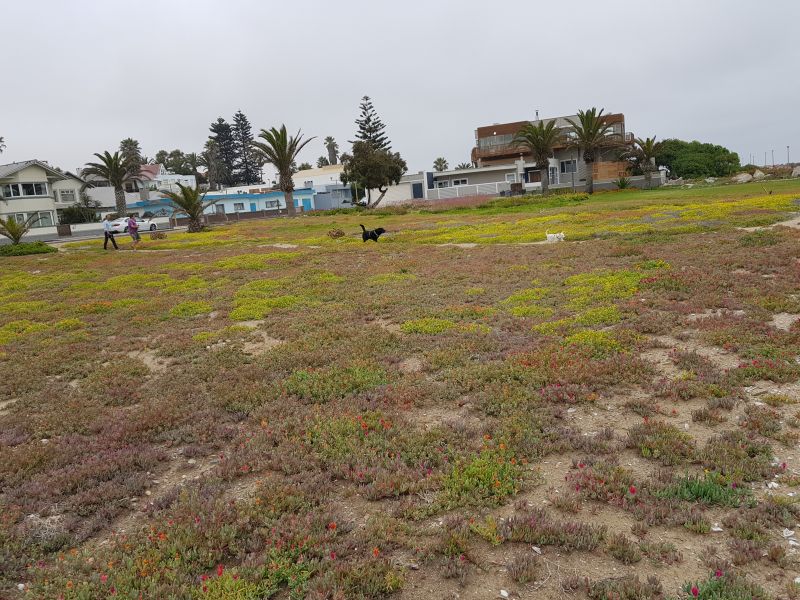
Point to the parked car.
(121, 225)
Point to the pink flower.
(632, 489)
(718, 573)
(333, 555)
(203, 577)
(695, 591)
(103, 577)
(220, 570)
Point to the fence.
(464, 191)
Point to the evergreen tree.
(222, 135)
(370, 127)
(323, 161)
(304, 166)
(246, 170)
(131, 153)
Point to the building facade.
(29, 188)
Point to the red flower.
(203, 577)
(332, 526)
(375, 552)
(632, 489)
(333, 555)
(220, 570)
(695, 591)
(103, 577)
(718, 573)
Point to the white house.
(27, 188)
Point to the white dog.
(554, 237)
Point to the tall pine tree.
(370, 127)
(222, 135)
(246, 167)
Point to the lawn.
(261, 410)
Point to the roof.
(10, 169)
(150, 171)
(321, 171)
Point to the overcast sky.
(80, 75)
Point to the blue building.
(231, 203)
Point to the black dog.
(371, 234)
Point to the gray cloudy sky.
(80, 75)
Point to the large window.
(238, 206)
(45, 218)
(67, 196)
(511, 177)
(15, 190)
(442, 184)
(495, 140)
(459, 182)
(569, 166)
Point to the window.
(11, 191)
(272, 204)
(569, 166)
(511, 177)
(459, 182)
(34, 189)
(442, 184)
(15, 190)
(553, 174)
(67, 196)
(238, 206)
(45, 218)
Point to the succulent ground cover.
(262, 410)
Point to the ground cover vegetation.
(261, 410)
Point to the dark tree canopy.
(333, 150)
(222, 134)
(304, 166)
(131, 153)
(246, 168)
(323, 161)
(371, 128)
(696, 159)
(372, 168)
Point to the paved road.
(52, 238)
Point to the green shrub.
(600, 343)
(190, 309)
(321, 385)
(25, 248)
(248, 309)
(487, 478)
(710, 489)
(427, 326)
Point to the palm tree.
(190, 201)
(464, 165)
(644, 153)
(281, 149)
(14, 230)
(440, 164)
(333, 150)
(114, 169)
(591, 135)
(540, 139)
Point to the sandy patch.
(784, 321)
(151, 361)
(387, 325)
(411, 365)
(464, 245)
(5, 404)
(262, 344)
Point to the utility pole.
(787, 156)
(773, 158)
(765, 158)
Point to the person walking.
(109, 233)
(133, 231)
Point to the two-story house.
(27, 188)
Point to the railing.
(463, 191)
